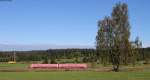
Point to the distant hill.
(22, 47)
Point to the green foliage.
(59, 54)
(45, 61)
(85, 56)
(53, 61)
(113, 36)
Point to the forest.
(56, 55)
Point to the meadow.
(75, 75)
(13, 66)
(143, 74)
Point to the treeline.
(56, 55)
(51, 54)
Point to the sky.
(65, 22)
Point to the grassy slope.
(74, 75)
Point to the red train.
(59, 66)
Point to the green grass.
(75, 75)
(13, 66)
(143, 74)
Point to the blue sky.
(65, 22)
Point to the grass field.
(141, 72)
(13, 66)
(80, 75)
